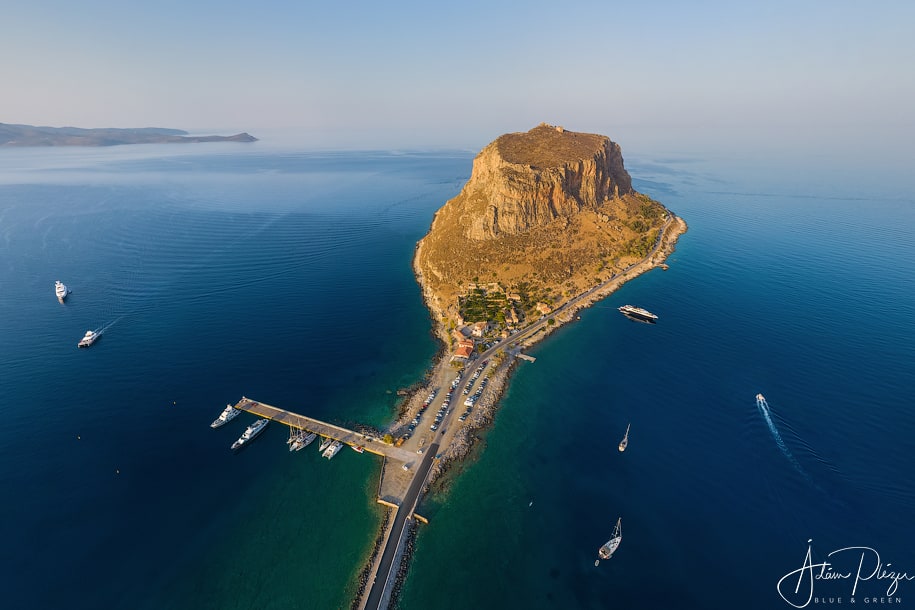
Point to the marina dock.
(338, 433)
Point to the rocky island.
(546, 215)
(29, 135)
(547, 224)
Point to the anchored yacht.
(61, 290)
(228, 414)
(250, 432)
(638, 312)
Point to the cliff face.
(546, 214)
(523, 181)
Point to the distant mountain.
(29, 135)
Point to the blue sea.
(283, 274)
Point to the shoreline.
(484, 415)
(463, 441)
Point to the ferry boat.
(638, 312)
(625, 442)
(61, 290)
(333, 450)
(325, 444)
(89, 338)
(228, 414)
(606, 551)
(250, 432)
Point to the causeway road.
(385, 567)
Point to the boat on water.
(638, 313)
(325, 444)
(760, 398)
(227, 415)
(607, 550)
(305, 439)
(61, 290)
(333, 450)
(359, 449)
(89, 338)
(625, 442)
(250, 432)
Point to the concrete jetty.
(338, 433)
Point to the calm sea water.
(223, 271)
(285, 276)
(801, 290)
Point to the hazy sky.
(456, 74)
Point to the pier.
(337, 433)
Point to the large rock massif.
(545, 215)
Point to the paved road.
(406, 508)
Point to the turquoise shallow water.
(285, 276)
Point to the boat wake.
(105, 327)
(763, 407)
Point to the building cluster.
(467, 334)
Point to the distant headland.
(30, 135)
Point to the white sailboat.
(607, 550)
(306, 439)
(625, 442)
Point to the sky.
(405, 73)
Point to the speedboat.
(250, 432)
(359, 449)
(89, 338)
(228, 414)
(61, 290)
(333, 450)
